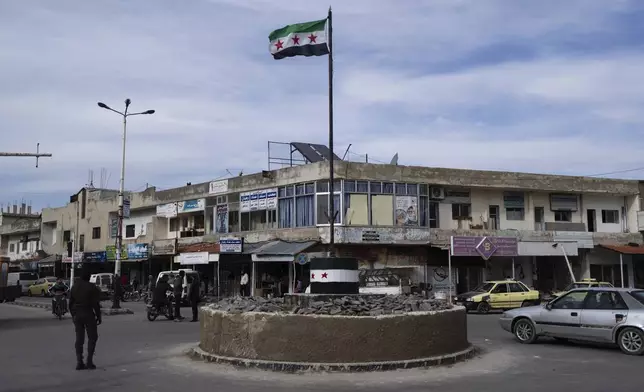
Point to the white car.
(188, 277)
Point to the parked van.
(22, 279)
(189, 275)
(104, 282)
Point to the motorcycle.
(60, 306)
(154, 311)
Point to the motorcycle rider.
(58, 289)
(159, 295)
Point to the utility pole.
(37, 154)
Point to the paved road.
(36, 353)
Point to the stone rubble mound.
(342, 306)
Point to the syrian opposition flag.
(301, 39)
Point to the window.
(461, 211)
(199, 222)
(323, 208)
(423, 211)
(12, 248)
(382, 210)
(174, 224)
(572, 300)
(638, 295)
(433, 215)
(563, 216)
(515, 214)
(67, 236)
(81, 243)
(286, 209)
(500, 288)
(83, 204)
(130, 231)
(605, 300)
(610, 216)
(233, 221)
(525, 288)
(244, 221)
(257, 220)
(24, 246)
(305, 205)
(271, 220)
(516, 288)
(356, 209)
(96, 233)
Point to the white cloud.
(434, 81)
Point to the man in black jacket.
(159, 295)
(85, 308)
(193, 296)
(178, 291)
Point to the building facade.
(20, 236)
(412, 220)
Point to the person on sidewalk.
(193, 296)
(178, 291)
(243, 284)
(85, 307)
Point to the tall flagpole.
(331, 213)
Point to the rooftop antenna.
(37, 155)
(394, 160)
(346, 151)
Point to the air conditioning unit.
(437, 193)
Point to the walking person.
(193, 296)
(243, 284)
(84, 305)
(178, 291)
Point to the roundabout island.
(333, 332)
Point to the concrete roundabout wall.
(401, 340)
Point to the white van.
(175, 274)
(104, 283)
(23, 279)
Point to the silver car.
(598, 314)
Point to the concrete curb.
(291, 367)
(104, 311)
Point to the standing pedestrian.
(243, 284)
(135, 284)
(85, 307)
(193, 296)
(178, 291)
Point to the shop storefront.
(275, 266)
(134, 261)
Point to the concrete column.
(253, 278)
(584, 259)
(290, 278)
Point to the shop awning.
(625, 249)
(49, 261)
(280, 251)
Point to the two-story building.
(488, 224)
(20, 236)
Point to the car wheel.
(483, 307)
(524, 331)
(631, 341)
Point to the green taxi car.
(498, 295)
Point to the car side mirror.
(549, 306)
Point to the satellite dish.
(394, 160)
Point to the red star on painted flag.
(312, 38)
(296, 40)
(279, 44)
(324, 275)
(312, 276)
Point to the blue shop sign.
(137, 251)
(94, 257)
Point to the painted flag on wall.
(301, 39)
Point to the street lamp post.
(119, 228)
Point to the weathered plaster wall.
(333, 339)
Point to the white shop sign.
(265, 199)
(217, 187)
(193, 258)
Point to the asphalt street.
(36, 353)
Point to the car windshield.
(638, 295)
(484, 287)
(28, 276)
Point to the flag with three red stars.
(301, 39)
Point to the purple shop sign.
(485, 247)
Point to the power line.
(615, 172)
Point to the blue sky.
(518, 85)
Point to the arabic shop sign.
(485, 247)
